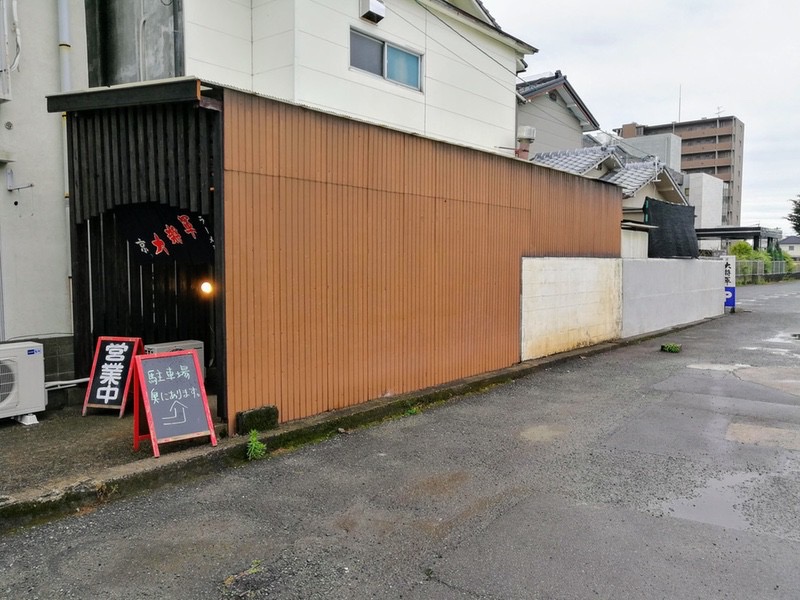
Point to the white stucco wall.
(556, 127)
(299, 50)
(569, 303)
(34, 243)
(662, 293)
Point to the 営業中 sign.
(110, 377)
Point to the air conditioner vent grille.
(7, 379)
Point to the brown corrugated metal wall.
(362, 262)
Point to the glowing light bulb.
(206, 287)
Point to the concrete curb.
(62, 498)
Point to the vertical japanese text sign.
(169, 387)
(730, 282)
(111, 374)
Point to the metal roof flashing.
(177, 89)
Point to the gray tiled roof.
(792, 239)
(577, 162)
(634, 175)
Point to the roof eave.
(467, 19)
(575, 105)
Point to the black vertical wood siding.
(158, 153)
(164, 153)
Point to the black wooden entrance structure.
(130, 151)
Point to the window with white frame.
(387, 60)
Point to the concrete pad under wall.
(569, 303)
(662, 293)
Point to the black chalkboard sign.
(171, 391)
(110, 378)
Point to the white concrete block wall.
(569, 303)
(662, 293)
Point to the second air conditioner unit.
(22, 389)
(372, 10)
(180, 345)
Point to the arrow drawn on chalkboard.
(178, 415)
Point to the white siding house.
(553, 108)
(434, 68)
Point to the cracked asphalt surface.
(629, 474)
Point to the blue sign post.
(730, 282)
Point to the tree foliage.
(744, 251)
(794, 214)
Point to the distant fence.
(757, 271)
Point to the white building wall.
(274, 47)
(569, 303)
(665, 146)
(34, 240)
(704, 192)
(299, 50)
(218, 41)
(556, 127)
(634, 243)
(662, 293)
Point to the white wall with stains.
(569, 303)
(662, 293)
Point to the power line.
(457, 56)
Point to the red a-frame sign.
(112, 372)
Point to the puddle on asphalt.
(782, 338)
(541, 433)
(717, 367)
(718, 503)
(760, 435)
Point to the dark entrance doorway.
(145, 170)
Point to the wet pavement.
(65, 447)
(627, 474)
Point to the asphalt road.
(629, 474)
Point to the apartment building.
(714, 146)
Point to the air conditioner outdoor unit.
(180, 345)
(22, 391)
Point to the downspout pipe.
(65, 70)
(64, 46)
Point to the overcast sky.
(632, 61)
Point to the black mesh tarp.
(675, 236)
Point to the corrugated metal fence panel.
(362, 262)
